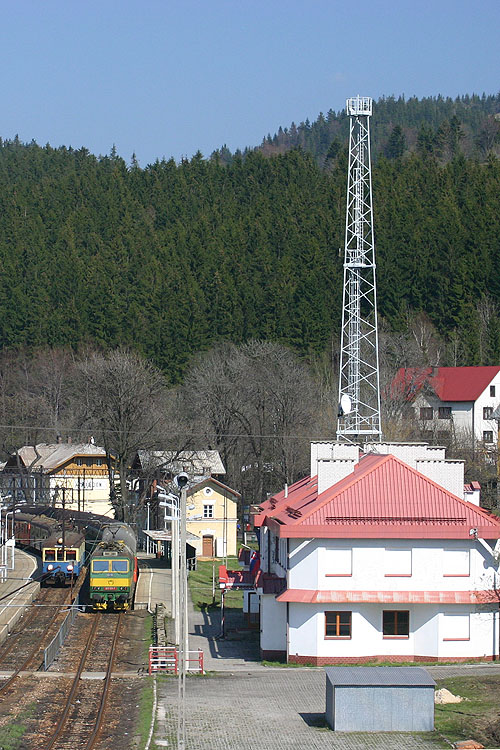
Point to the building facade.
(72, 474)
(458, 400)
(379, 558)
(212, 516)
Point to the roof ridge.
(348, 485)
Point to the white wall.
(309, 565)
(307, 632)
(272, 623)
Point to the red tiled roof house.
(462, 398)
(380, 557)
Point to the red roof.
(303, 491)
(382, 498)
(311, 596)
(448, 383)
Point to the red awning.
(311, 596)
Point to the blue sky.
(169, 77)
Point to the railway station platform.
(13, 598)
(154, 584)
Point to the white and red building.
(458, 399)
(378, 556)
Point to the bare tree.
(122, 405)
(257, 404)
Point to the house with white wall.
(458, 399)
(377, 556)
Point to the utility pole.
(359, 381)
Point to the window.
(98, 462)
(119, 566)
(338, 624)
(208, 511)
(50, 554)
(60, 555)
(337, 562)
(426, 412)
(492, 391)
(100, 566)
(487, 436)
(455, 627)
(396, 623)
(79, 461)
(71, 554)
(397, 562)
(487, 412)
(456, 562)
(444, 412)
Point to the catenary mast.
(359, 382)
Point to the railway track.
(81, 718)
(22, 650)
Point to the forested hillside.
(438, 125)
(172, 258)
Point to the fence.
(52, 649)
(166, 659)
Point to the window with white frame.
(337, 562)
(488, 436)
(487, 412)
(208, 511)
(455, 627)
(397, 562)
(456, 562)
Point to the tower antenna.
(359, 380)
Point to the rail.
(166, 659)
(50, 653)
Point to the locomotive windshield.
(71, 554)
(100, 566)
(50, 554)
(119, 566)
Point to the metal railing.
(166, 659)
(52, 649)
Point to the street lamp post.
(174, 556)
(181, 481)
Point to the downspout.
(288, 603)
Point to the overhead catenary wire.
(201, 435)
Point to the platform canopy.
(165, 535)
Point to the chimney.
(69, 440)
(58, 439)
(331, 471)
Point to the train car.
(63, 562)
(113, 569)
(31, 530)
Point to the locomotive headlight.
(69, 567)
(50, 567)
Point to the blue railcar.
(63, 562)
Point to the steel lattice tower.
(359, 383)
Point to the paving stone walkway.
(281, 709)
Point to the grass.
(11, 735)
(201, 585)
(476, 718)
(145, 713)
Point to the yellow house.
(73, 474)
(212, 516)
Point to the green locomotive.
(113, 569)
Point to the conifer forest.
(171, 258)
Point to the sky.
(162, 78)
